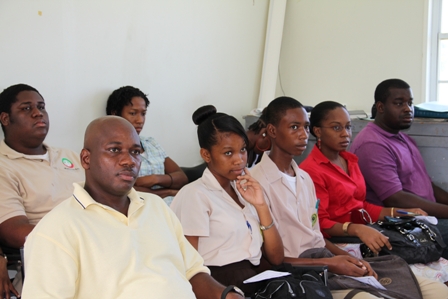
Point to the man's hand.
(206, 287)
(416, 211)
(370, 271)
(347, 265)
(6, 286)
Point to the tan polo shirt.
(295, 213)
(32, 187)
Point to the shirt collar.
(386, 134)
(84, 199)
(320, 158)
(12, 154)
(210, 181)
(271, 170)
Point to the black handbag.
(414, 240)
(305, 282)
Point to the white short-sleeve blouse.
(227, 233)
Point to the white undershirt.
(45, 156)
(292, 181)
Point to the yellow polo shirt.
(32, 187)
(83, 249)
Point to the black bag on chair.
(414, 240)
(305, 282)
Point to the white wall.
(187, 53)
(182, 53)
(341, 49)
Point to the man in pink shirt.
(390, 161)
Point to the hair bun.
(202, 113)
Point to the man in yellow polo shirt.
(34, 177)
(107, 240)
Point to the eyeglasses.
(366, 216)
(339, 128)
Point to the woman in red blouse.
(340, 186)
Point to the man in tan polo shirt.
(34, 177)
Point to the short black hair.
(373, 111)
(259, 124)
(278, 107)
(320, 112)
(210, 123)
(122, 97)
(382, 90)
(9, 97)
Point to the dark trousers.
(442, 225)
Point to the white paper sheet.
(268, 274)
(430, 219)
(369, 280)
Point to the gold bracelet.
(392, 212)
(345, 227)
(262, 227)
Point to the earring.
(264, 149)
(319, 146)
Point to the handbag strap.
(431, 234)
(353, 293)
(416, 223)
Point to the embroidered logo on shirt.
(67, 163)
(314, 218)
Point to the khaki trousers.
(430, 289)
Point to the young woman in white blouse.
(224, 214)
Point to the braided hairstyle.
(259, 124)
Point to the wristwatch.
(233, 289)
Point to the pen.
(408, 213)
(249, 226)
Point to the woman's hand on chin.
(250, 189)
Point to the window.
(442, 80)
(438, 76)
